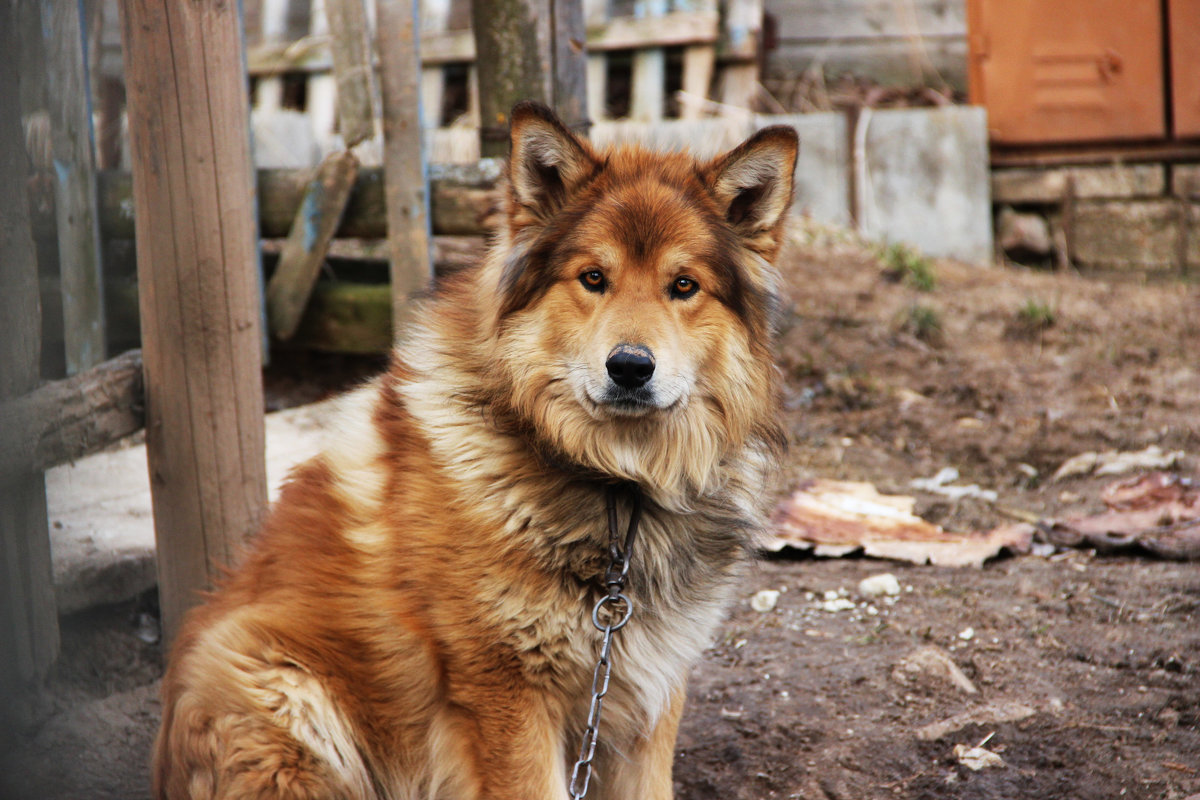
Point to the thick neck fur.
(703, 478)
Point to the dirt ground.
(1086, 665)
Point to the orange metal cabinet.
(1068, 70)
(1183, 17)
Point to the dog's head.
(636, 291)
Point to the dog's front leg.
(644, 772)
(505, 751)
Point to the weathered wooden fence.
(647, 61)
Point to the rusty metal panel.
(1068, 70)
(1184, 19)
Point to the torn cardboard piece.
(1158, 512)
(836, 518)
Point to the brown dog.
(414, 620)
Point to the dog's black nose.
(630, 366)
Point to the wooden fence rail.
(462, 197)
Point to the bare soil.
(1093, 658)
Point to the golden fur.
(413, 621)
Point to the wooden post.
(69, 96)
(405, 175)
(28, 620)
(198, 286)
(528, 50)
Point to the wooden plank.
(433, 88)
(28, 618)
(198, 287)
(699, 64)
(447, 47)
(352, 69)
(889, 62)
(407, 181)
(348, 318)
(827, 20)
(671, 29)
(461, 196)
(597, 81)
(318, 217)
(649, 70)
(320, 96)
(73, 140)
(65, 420)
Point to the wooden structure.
(532, 51)
(199, 295)
(28, 622)
(647, 61)
(911, 43)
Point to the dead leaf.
(836, 518)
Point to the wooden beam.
(62, 421)
(198, 287)
(73, 140)
(28, 617)
(405, 166)
(352, 69)
(304, 251)
(672, 29)
(461, 196)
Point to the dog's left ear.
(548, 162)
(752, 185)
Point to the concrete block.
(923, 178)
(1185, 180)
(1049, 185)
(101, 525)
(822, 168)
(1138, 234)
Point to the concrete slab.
(923, 178)
(101, 521)
(822, 168)
(1049, 185)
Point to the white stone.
(882, 584)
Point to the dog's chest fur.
(552, 525)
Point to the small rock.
(933, 664)
(837, 604)
(1023, 233)
(977, 758)
(884, 583)
(764, 601)
(967, 634)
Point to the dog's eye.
(593, 280)
(683, 288)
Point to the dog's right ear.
(548, 162)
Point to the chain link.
(614, 581)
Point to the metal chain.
(614, 582)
